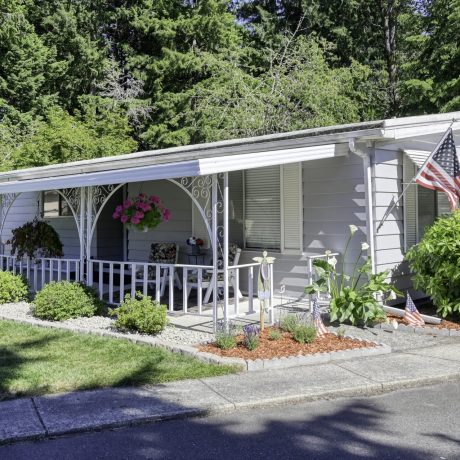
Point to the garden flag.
(411, 314)
(317, 321)
(441, 170)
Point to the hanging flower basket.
(142, 213)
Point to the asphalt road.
(409, 424)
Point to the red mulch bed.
(286, 346)
(445, 324)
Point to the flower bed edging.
(419, 330)
(304, 360)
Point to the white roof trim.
(179, 169)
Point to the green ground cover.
(35, 361)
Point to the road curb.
(370, 389)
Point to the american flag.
(411, 314)
(317, 321)
(442, 170)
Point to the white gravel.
(22, 311)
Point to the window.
(54, 205)
(421, 206)
(272, 207)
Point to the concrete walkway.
(35, 418)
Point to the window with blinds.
(421, 206)
(262, 205)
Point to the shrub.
(62, 300)
(435, 262)
(289, 323)
(251, 336)
(140, 313)
(274, 334)
(13, 288)
(304, 334)
(226, 334)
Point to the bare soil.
(285, 346)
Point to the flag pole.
(385, 217)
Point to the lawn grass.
(35, 361)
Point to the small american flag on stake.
(411, 314)
(441, 170)
(317, 321)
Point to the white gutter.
(369, 198)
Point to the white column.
(81, 230)
(215, 225)
(89, 224)
(225, 248)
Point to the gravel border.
(419, 329)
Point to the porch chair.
(234, 253)
(162, 253)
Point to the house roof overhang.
(223, 156)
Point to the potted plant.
(36, 239)
(142, 213)
(195, 244)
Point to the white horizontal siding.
(178, 229)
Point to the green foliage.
(225, 340)
(351, 300)
(140, 313)
(289, 323)
(13, 288)
(252, 342)
(36, 239)
(304, 333)
(435, 262)
(62, 300)
(274, 334)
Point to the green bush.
(274, 334)
(289, 323)
(435, 262)
(13, 288)
(140, 313)
(226, 341)
(304, 334)
(62, 300)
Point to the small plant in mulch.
(289, 323)
(226, 335)
(340, 332)
(304, 334)
(251, 336)
(274, 334)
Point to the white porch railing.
(39, 272)
(113, 279)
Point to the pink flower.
(116, 215)
(139, 215)
(127, 204)
(155, 199)
(166, 215)
(119, 209)
(147, 207)
(124, 218)
(135, 221)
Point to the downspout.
(365, 156)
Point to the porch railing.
(113, 279)
(39, 272)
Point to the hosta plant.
(354, 298)
(435, 263)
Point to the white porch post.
(225, 248)
(215, 225)
(89, 224)
(82, 232)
